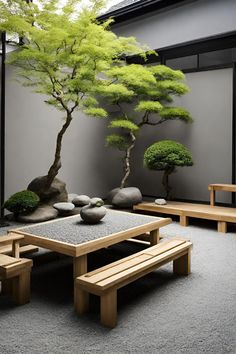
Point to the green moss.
(21, 202)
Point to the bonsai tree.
(165, 156)
(145, 101)
(64, 54)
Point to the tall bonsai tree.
(165, 156)
(63, 54)
(146, 100)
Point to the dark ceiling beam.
(198, 46)
(140, 8)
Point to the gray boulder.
(71, 196)
(42, 213)
(111, 195)
(64, 209)
(81, 200)
(126, 197)
(54, 194)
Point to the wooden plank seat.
(105, 281)
(15, 271)
(184, 210)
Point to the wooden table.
(220, 187)
(72, 237)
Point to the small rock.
(42, 213)
(127, 197)
(160, 201)
(71, 196)
(64, 208)
(92, 215)
(96, 202)
(81, 200)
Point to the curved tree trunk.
(127, 168)
(165, 182)
(55, 167)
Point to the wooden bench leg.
(109, 309)
(222, 226)
(183, 220)
(81, 300)
(21, 288)
(182, 265)
(212, 197)
(154, 237)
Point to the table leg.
(154, 237)
(80, 265)
(80, 268)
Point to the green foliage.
(166, 154)
(65, 49)
(117, 141)
(67, 55)
(171, 113)
(149, 106)
(125, 124)
(162, 72)
(143, 96)
(114, 92)
(133, 76)
(96, 112)
(21, 202)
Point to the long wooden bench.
(222, 215)
(14, 271)
(105, 281)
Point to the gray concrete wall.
(208, 138)
(31, 129)
(183, 23)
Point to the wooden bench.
(219, 187)
(15, 271)
(105, 281)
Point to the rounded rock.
(71, 196)
(127, 197)
(42, 213)
(81, 200)
(160, 201)
(92, 215)
(64, 206)
(64, 209)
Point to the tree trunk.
(55, 167)
(165, 182)
(127, 168)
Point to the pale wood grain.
(105, 281)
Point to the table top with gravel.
(74, 231)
